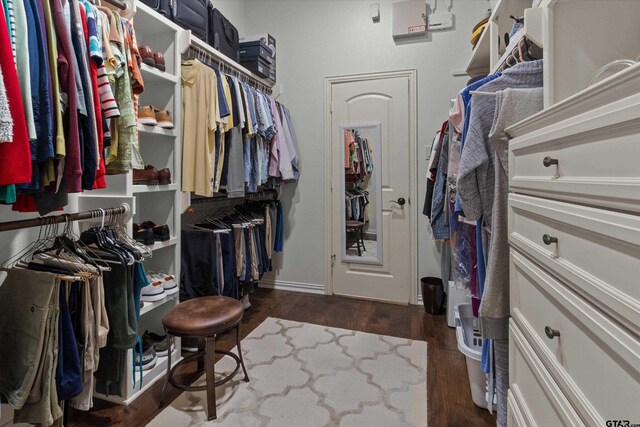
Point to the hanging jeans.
(227, 241)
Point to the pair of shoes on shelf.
(149, 232)
(152, 116)
(151, 176)
(158, 342)
(147, 359)
(143, 235)
(160, 285)
(151, 58)
(190, 344)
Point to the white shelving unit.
(490, 52)
(158, 203)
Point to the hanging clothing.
(201, 117)
(15, 157)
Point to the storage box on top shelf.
(264, 38)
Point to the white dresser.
(574, 230)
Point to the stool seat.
(203, 317)
(354, 224)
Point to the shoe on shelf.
(158, 58)
(147, 115)
(161, 233)
(148, 356)
(159, 343)
(143, 235)
(190, 344)
(146, 176)
(153, 292)
(168, 282)
(147, 55)
(163, 118)
(164, 176)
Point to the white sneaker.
(153, 292)
(245, 301)
(168, 283)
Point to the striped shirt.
(109, 105)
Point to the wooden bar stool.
(204, 318)
(358, 227)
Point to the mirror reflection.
(360, 191)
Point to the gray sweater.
(512, 106)
(476, 173)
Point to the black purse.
(223, 35)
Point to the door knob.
(401, 201)
(548, 161)
(551, 333)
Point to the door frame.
(411, 74)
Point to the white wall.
(320, 38)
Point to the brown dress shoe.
(147, 115)
(147, 55)
(146, 176)
(163, 118)
(164, 176)
(159, 60)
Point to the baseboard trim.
(308, 288)
(419, 300)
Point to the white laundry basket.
(456, 295)
(470, 344)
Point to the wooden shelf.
(154, 188)
(149, 306)
(153, 75)
(156, 131)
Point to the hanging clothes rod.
(270, 194)
(119, 4)
(227, 68)
(64, 218)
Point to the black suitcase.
(251, 51)
(223, 36)
(192, 15)
(189, 14)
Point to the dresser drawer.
(595, 361)
(534, 398)
(597, 252)
(597, 156)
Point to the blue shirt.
(465, 94)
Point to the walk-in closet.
(319, 213)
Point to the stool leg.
(209, 369)
(246, 376)
(201, 360)
(166, 379)
(362, 239)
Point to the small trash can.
(433, 295)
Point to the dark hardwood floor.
(449, 398)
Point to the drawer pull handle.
(548, 161)
(551, 333)
(549, 239)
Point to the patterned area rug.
(310, 375)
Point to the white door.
(371, 229)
